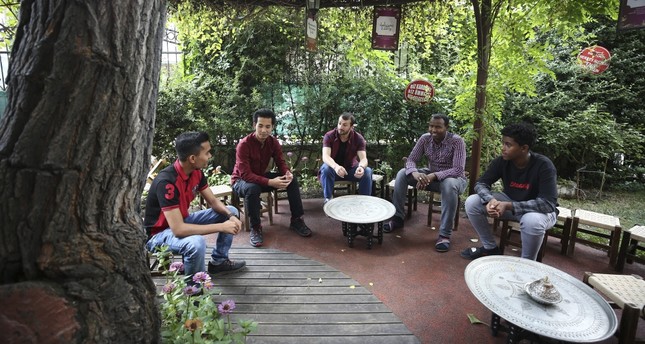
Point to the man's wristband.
(231, 215)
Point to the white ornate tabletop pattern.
(359, 209)
(582, 315)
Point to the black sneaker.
(300, 227)
(394, 223)
(473, 253)
(256, 237)
(227, 267)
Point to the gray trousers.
(532, 225)
(450, 189)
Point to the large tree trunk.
(75, 144)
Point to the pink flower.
(290, 154)
(304, 159)
(176, 266)
(201, 277)
(191, 290)
(208, 285)
(168, 288)
(226, 307)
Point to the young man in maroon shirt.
(249, 178)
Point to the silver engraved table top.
(581, 316)
(359, 209)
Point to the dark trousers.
(251, 194)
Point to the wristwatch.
(232, 215)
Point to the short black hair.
(446, 120)
(264, 113)
(523, 133)
(190, 143)
(348, 116)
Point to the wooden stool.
(510, 226)
(629, 247)
(564, 221)
(278, 194)
(345, 185)
(600, 221)
(265, 207)
(411, 199)
(222, 192)
(435, 200)
(379, 184)
(626, 292)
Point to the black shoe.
(256, 237)
(394, 223)
(300, 227)
(473, 253)
(227, 267)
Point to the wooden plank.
(347, 318)
(328, 339)
(298, 300)
(336, 329)
(268, 290)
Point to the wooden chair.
(626, 292)
(599, 221)
(379, 184)
(564, 222)
(508, 228)
(411, 197)
(265, 207)
(223, 192)
(434, 206)
(629, 247)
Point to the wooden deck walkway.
(299, 300)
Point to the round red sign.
(595, 59)
(419, 91)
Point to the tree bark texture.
(75, 144)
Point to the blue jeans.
(450, 189)
(193, 247)
(328, 176)
(251, 194)
(532, 225)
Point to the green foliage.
(585, 119)
(9, 11)
(241, 58)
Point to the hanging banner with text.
(594, 59)
(311, 31)
(385, 28)
(631, 14)
(419, 91)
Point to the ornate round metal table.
(358, 214)
(498, 282)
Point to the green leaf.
(473, 319)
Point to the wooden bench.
(626, 292)
(629, 247)
(599, 221)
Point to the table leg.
(380, 232)
(369, 228)
(515, 333)
(351, 233)
(344, 226)
(495, 324)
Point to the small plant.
(218, 176)
(383, 168)
(189, 313)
